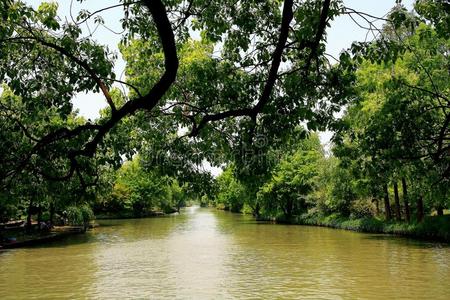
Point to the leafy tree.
(397, 128)
(231, 194)
(293, 180)
(250, 85)
(29, 192)
(138, 191)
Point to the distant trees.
(231, 194)
(293, 179)
(139, 192)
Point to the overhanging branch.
(287, 17)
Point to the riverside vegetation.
(254, 110)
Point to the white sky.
(342, 33)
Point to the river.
(209, 254)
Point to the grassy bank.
(436, 228)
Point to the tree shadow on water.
(407, 240)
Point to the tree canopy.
(240, 85)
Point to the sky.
(340, 35)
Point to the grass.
(435, 228)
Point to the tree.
(231, 193)
(30, 193)
(293, 180)
(399, 119)
(59, 62)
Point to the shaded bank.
(433, 228)
(17, 239)
(125, 215)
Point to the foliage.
(244, 85)
(391, 146)
(230, 192)
(362, 208)
(204, 201)
(139, 192)
(433, 228)
(80, 215)
(293, 179)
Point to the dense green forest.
(247, 88)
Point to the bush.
(221, 206)
(435, 227)
(323, 207)
(204, 201)
(8, 212)
(79, 215)
(362, 209)
(87, 213)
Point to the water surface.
(208, 254)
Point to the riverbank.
(433, 228)
(18, 239)
(124, 216)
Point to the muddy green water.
(208, 254)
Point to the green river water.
(209, 254)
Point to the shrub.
(362, 209)
(8, 212)
(79, 215)
(74, 215)
(87, 213)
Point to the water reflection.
(206, 254)
(46, 273)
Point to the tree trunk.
(52, 213)
(39, 217)
(440, 210)
(256, 211)
(377, 205)
(398, 214)
(387, 205)
(420, 209)
(30, 208)
(405, 200)
(289, 209)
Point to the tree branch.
(272, 77)
(151, 99)
(319, 34)
(273, 72)
(75, 59)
